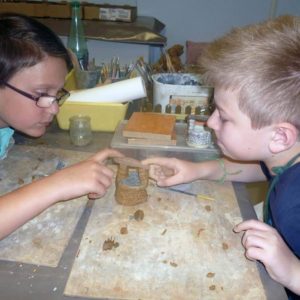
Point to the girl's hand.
(90, 177)
(263, 243)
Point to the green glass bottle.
(76, 41)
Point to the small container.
(86, 79)
(166, 85)
(80, 130)
(198, 136)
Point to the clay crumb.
(207, 207)
(37, 242)
(225, 246)
(199, 231)
(139, 215)
(20, 181)
(210, 275)
(36, 177)
(109, 244)
(77, 254)
(123, 230)
(164, 232)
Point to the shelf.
(145, 30)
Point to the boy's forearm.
(209, 170)
(225, 170)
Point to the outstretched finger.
(107, 153)
(161, 161)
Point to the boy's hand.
(171, 171)
(263, 243)
(168, 171)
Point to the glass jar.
(80, 130)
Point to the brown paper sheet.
(42, 240)
(183, 248)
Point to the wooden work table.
(19, 280)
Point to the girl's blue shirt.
(6, 141)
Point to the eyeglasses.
(43, 100)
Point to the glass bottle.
(76, 41)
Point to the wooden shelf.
(145, 30)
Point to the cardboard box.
(38, 9)
(106, 12)
(60, 10)
(20, 8)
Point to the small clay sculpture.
(131, 181)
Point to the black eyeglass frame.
(59, 100)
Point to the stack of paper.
(144, 128)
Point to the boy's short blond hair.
(262, 63)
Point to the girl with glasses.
(33, 67)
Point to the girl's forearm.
(21, 205)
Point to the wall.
(197, 20)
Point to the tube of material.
(117, 92)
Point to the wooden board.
(183, 248)
(42, 240)
(150, 126)
(145, 141)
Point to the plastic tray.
(181, 150)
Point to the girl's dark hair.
(24, 42)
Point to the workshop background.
(195, 20)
